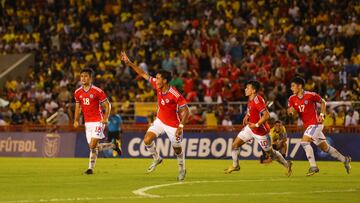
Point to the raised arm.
(137, 69)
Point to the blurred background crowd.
(212, 48)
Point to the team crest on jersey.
(91, 96)
(162, 102)
(167, 101)
(306, 102)
(80, 96)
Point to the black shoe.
(89, 171)
(117, 147)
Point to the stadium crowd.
(212, 48)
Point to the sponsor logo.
(204, 148)
(51, 143)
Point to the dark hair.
(278, 121)
(298, 80)
(255, 84)
(165, 75)
(88, 71)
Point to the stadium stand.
(212, 48)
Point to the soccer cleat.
(312, 171)
(266, 161)
(89, 171)
(117, 148)
(289, 168)
(231, 169)
(154, 164)
(347, 164)
(182, 174)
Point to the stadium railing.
(188, 128)
(129, 113)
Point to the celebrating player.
(256, 127)
(304, 103)
(171, 106)
(89, 98)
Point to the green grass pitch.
(26, 180)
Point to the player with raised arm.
(89, 99)
(256, 127)
(171, 107)
(305, 104)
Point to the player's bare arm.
(184, 114)
(264, 117)
(246, 119)
(76, 115)
(107, 106)
(137, 69)
(322, 110)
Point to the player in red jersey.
(256, 127)
(305, 104)
(89, 99)
(171, 106)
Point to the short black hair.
(255, 84)
(88, 71)
(278, 121)
(298, 80)
(165, 75)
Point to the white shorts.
(264, 141)
(94, 130)
(159, 128)
(315, 133)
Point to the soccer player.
(278, 137)
(88, 100)
(171, 117)
(256, 127)
(305, 104)
(114, 130)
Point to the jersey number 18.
(86, 101)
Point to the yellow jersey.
(277, 135)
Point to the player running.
(304, 103)
(88, 100)
(171, 106)
(256, 127)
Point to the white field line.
(142, 191)
(142, 195)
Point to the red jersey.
(90, 102)
(254, 109)
(306, 107)
(168, 105)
